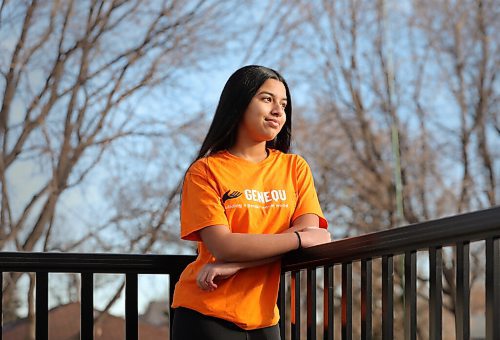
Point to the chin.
(267, 136)
(270, 138)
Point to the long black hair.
(239, 90)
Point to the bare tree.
(405, 100)
(74, 110)
(72, 75)
(76, 80)
(461, 38)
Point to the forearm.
(212, 273)
(254, 248)
(239, 247)
(257, 263)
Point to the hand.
(215, 272)
(313, 236)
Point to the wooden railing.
(456, 231)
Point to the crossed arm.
(236, 251)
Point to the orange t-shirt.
(256, 198)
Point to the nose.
(278, 110)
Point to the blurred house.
(477, 311)
(157, 314)
(64, 324)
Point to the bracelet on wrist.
(300, 240)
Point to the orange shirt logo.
(230, 195)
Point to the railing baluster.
(462, 295)
(347, 301)
(410, 328)
(387, 297)
(281, 305)
(366, 299)
(42, 306)
(295, 304)
(328, 303)
(493, 288)
(131, 312)
(311, 304)
(87, 306)
(435, 294)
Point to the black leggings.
(191, 325)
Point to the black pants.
(191, 325)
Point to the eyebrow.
(272, 95)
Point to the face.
(265, 114)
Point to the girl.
(246, 201)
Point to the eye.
(283, 105)
(267, 99)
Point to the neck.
(253, 152)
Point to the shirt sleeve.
(307, 198)
(201, 205)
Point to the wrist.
(299, 239)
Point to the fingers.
(205, 280)
(206, 284)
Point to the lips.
(274, 123)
